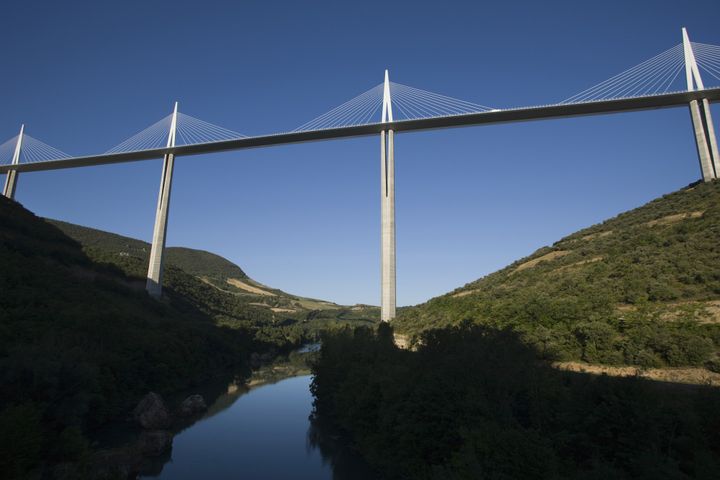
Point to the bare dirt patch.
(678, 217)
(713, 310)
(282, 310)
(702, 312)
(625, 307)
(545, 258)
(578, 264)
(597, 235)
(249, 288)
(310, 304)
(686, 375)
(465, 293)
(274, 309)
(401, 341)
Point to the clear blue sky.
(83, 76)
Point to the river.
(262, 433)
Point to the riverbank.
(265, 433)
(126, 449)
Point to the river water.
(263, 433)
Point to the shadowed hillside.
(79, 344)
(81, 341)
(640, 289)
(473, 402)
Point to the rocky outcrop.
(192, 405)
(151, 413)
(154, 443)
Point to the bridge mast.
(12, 175)
(701, 119)
(387, 211)
(157, 251)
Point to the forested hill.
(195, 262)
(234, 295)
(642, 288)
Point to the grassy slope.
(640, 288)
(195, 262)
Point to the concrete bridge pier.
(157, 251)
(387, 212)
(387, 215)
(705, 139)
(703, 127)
(12, 175)
(710, 130)
(10, 184)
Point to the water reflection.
(259, 432)
(345, 463)
(309, 348)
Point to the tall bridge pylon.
(157, 251)
(387, 210)
(651, 84)
(701, 118)
(12, 175)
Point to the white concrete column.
(712, 139)
(387, 213)
(157, 251)
(12, 175)
(10, 184)
(703, 140)
(701, 118)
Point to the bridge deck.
(667, 100)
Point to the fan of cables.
(32, 150)
(408, 103)
(188, 131)
(660, 74)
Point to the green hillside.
(481, 395)
(194, 262)
(642, 288)
(203, 264)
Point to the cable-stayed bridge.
(671, 78)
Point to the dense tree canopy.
(642, 288)
(473, 402)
